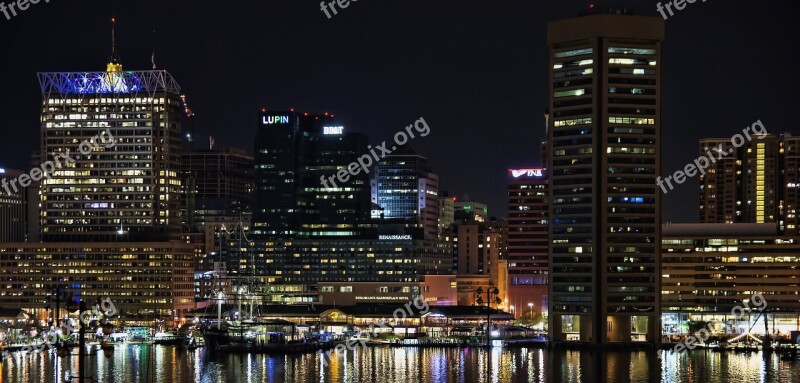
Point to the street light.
(530, 308)
(512, 311)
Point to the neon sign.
(332, 130)
(272, 120)
(516, 173)
(393, 237)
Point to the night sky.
(475, 70)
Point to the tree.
(530, 318)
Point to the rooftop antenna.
(153, 58)
(113, 64)
(113, 38)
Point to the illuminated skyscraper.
(110, 209)
(757, 183)
(405, 188)
(528, 237)
(604, 157)
(128, 191)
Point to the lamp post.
(81, 343)
(58, 293)
(513, 313)
(479, 301)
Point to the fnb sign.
(516, 173)
(272, 120)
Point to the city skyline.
(614, 179)
(454, 88)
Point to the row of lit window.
(631, 120)
(573, 122)
(104, 100)
(622, 61)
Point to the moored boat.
(168, 338)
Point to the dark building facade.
(13, 209)
(218, 183)
(790, 185)
(293, 153)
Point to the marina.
(155, 363)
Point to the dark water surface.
(167, 364)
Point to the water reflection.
(144, 364)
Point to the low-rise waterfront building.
(710, 269)
(145, 280)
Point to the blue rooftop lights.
(109, 82)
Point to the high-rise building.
(310, 227)
(129, 191)
(407, 189)
(476, 248)
(477, 254)
(756, 183)
(219, 183)
(13, 225)
(790, 185)
(110, 210)
(603, 160)
(500, 225)
(719, 184)
(528, 237)
(446, 211)
(295, 156)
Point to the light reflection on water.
(144, 364)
